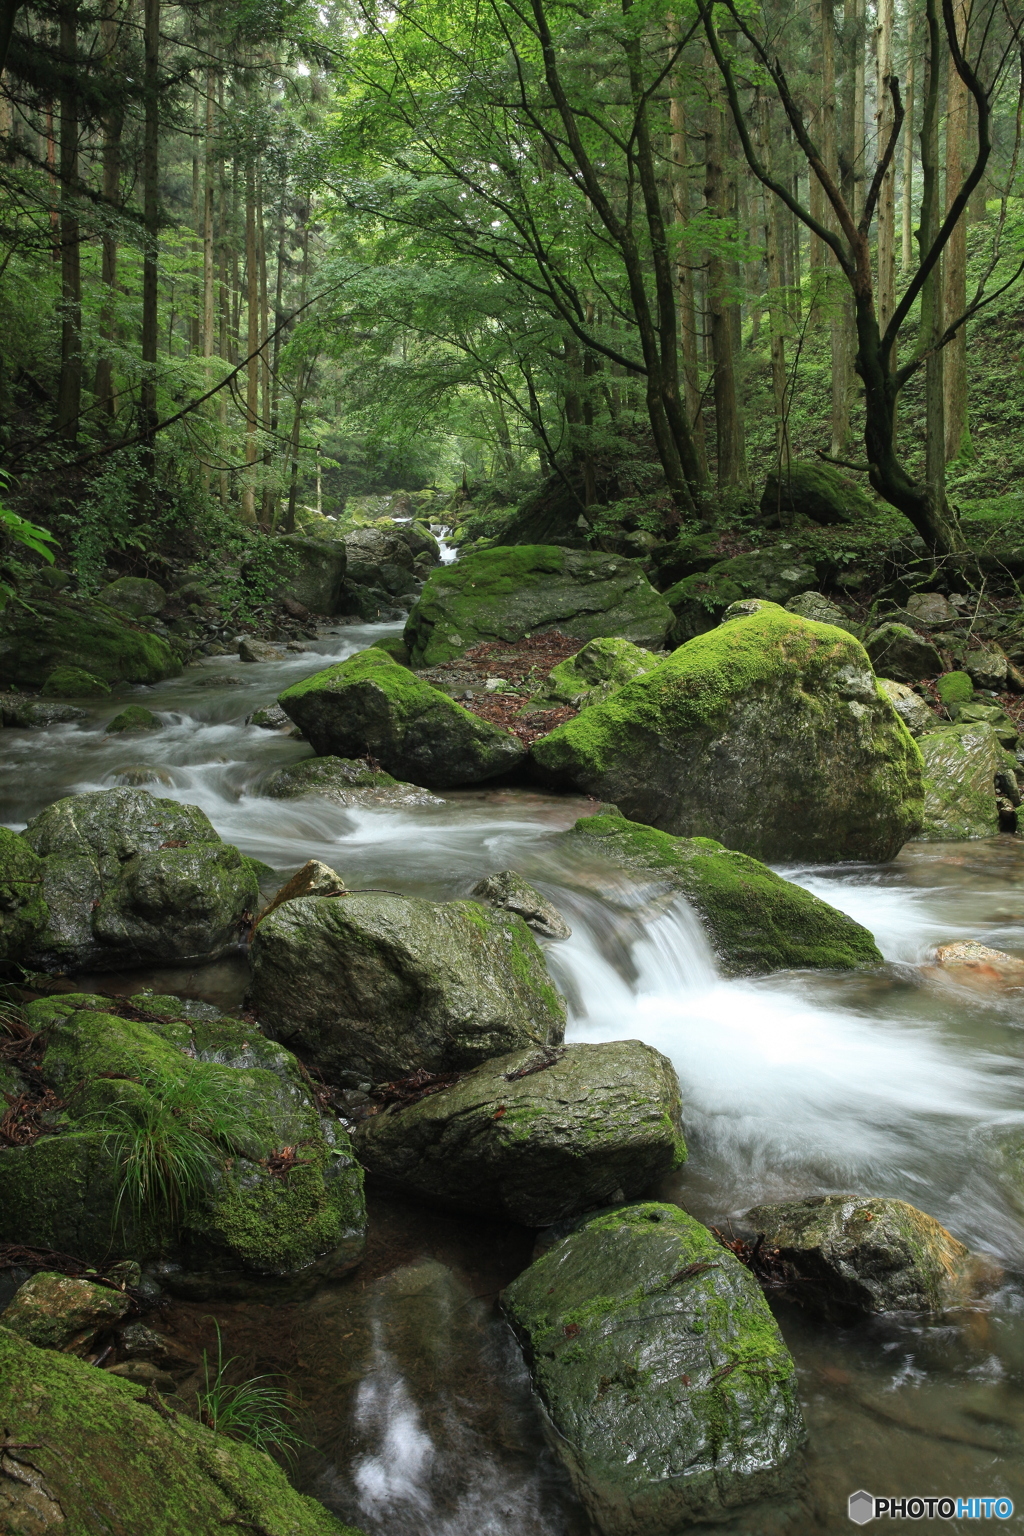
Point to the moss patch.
(72, 683)
(69, 633)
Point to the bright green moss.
(69, 633)
(72, 683)
(134, 718)
(954, 688)
(24, 913)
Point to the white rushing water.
(890, 1082)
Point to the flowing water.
(895, 1082)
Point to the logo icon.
(861, 1507)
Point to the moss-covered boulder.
(671, 1393)
(346, 781)
(24, 914)
(814, 605)
(989, 712)
(89, 1453)
(508, 890)
(370, 705)
(28, 714)
(54, 1310)
(278, 1193)
(769, 734)
(64, 632)
(536, 1136)
(309, 571)
(371, 986)
(954, 689)
(133, 718)
(130, 880)
(960, 767)
(814, 491)
(509, 592)
(755, 921)
(134, 595)
(848, 1253)
(73, 683)
(699, 601)
(896, 651)
(600, 669)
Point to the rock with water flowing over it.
(268, 1189)
(768, 734)
(252, 650)
(67, 632)
(754, 920)
(55, 1311)
(346, 781)
(672, 1396)
(128, 880)
(509, 890)
(600, 669)
(375, 985)
(507, 593)
(372, 706)
(133, 718)
(87, 1452)
(536, 1136)
(850, 1253)
(961, 765)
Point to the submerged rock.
(345, 780)
(134, 718)
(535, 1136)
(960, 767)
(852, 1253)
(278, 1191)
(370, 705)
(768, 734)
(370, 986)
(69, 633)
(898, 652)
(515, 894)
(755, 920)
(129, 880)
(509, 592)
(100, 1458)
(52, 1310)
(672, 1396)
(600, 669)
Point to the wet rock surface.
(514, 894)
(670, 1391)
(345, 780)
(536, 1136)
(960, 766)
(52, 1310)
(371, 986)
(898, 652)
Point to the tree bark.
(884, 121)
(684, 271)
(908, 147)
(69, 393)
(719, 193)
(252, 371)
(954, 287)
(151, 213)
(113, 123)
(931, 294)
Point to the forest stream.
(892, 1082)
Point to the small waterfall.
(441, 534)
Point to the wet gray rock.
(960, 766)
(134, 595)
(931, 610)
(671, 1394)
(986, 667)
(898, 652)
(814, 605)
(514, 894)
(535, 1136)
(258, 650)
(371, 986)
(26, 714)
(271, 719)
(129, 880)
(346, 781)
(910, 706)
(862, 1254)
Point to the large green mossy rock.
(509, 592)
(371, 706)
(372, 986)
(346, 781)
(775, 574)
(755, 921)
(50, 1309)
(849, 1253)
(310, 571)
(73, 683)
(813, 491)
(129, 880)
(960, 766)
(36, 641)
(897, 651)
(769, 734)
(600, 669)
(24, 914)
(252, 1217)
(89, 1454)
(536, 1136)
(670, 1391)
(134, 595)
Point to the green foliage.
(18, 531)
(253, 1410)
(169, 1140)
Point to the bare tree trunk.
(908, 147)
(69, 394)
(151, 214)
(252, 371)
(954, 295)
(931, 294)
(113, 123)
(300, 389)
(209, 178)
(777, 313)
(687, 308)
(719, 193)
(884, 121)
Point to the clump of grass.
(255, 1411)
(170, 1140)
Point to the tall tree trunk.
(684, 272)
(151, 214)
(908, 147)
(252, 370)
(300, 388)
(275, 368)
(777, 314)
(884, 121)
(954, 288)
(113, 124)
(719, 195)
(931, 294)
(69, 394)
